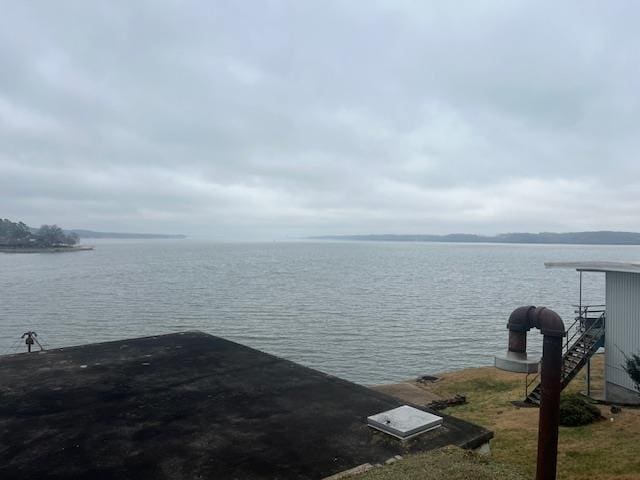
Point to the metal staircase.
(584, 337)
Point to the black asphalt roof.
(187, 406)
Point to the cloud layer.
(284, 119)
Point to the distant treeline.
(147, 236)
(577, 238)
(19, 235)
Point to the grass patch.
(604, 450)
(449, 463)
(486, 385)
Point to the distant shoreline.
(60, 249)
(543, 238)
(126, 236)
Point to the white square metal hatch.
(404, 422)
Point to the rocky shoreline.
(60, 249)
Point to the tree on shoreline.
(18, 234)
(14, 233)
(53, 236)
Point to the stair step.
(575, 366)
(573, 361)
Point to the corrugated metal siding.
(623, 324)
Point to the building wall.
(622, 331)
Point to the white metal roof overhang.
(595, 266)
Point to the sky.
(286, 119)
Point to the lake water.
(368, 312)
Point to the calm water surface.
(368, 312)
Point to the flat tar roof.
(190, 405)
(625, 267)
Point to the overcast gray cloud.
(278, 119)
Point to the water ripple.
(369, 312)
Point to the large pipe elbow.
(548, 321)
(519, 319)
(522, 319)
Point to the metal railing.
(528, 383)
(588, 317)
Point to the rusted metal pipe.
(518, 327)
(549, 408)
(551, 326)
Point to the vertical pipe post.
(580, 302)
(549, 407)
(552, 328)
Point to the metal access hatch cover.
(404, 422)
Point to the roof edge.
(597, 266)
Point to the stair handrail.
(528, 383)
(581, 322)
(579, 328)
(572, 331)
(596, 326)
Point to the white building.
(622, 323)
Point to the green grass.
(602, 450)
(449, 463)
(605, 449)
